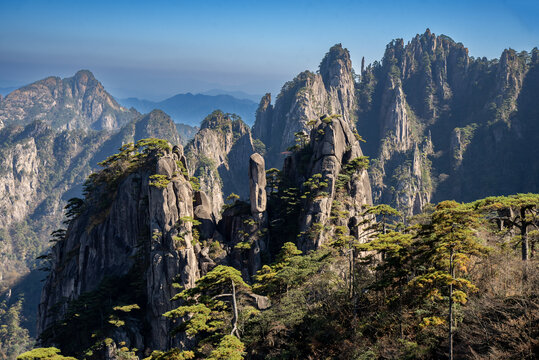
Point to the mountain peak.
(84, 76)
(335, 53)
(75, 102)
(335, 66)
(218, 119)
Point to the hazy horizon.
(155, 50)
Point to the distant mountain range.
(237, 94)
(192, 108)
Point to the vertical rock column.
(257, 185)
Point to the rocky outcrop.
(155, 124)
(509, 78)
(219, 157)
(257, 183)
(307, 97)
(428, 111)
(79, 102)
(333, 179)
(40, 169)
(146, 227)
(19, 180)
(144, 221)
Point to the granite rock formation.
(78, 102)
(219, 157)
(307, 97)
(331, 173)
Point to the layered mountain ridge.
(438, 124)
(173, 235)
(78, 102)
(430, 115)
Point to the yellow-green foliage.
(313, 186)
(159, 181)
(127, 308)
(229, 348)
(328, 119)
(50, 353)
(244, 245)
(173, 354)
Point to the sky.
(155, 49)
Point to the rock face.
(305, 98)
(219, 157)
(432, 116)
(19, 180)
(331, 184)
(40, 169)
(136, 229)
(79, 102)
(142, 221)
(155, 124)
(257, 183)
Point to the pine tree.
(519, 211)
(211, 311)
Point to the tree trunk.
(451, 305)
(235, 310)
(524, 236)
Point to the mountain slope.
(440, 123)
(78, 102)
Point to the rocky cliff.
(429, 111)
(218, 156)
(78, 102)
(307, 97)
(41, 168)
(140, 228)
(141, 224)
(330, 175)
(430, 114)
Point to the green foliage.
(210, 311)
(313, 186)
(14, 339)
(159, 181)
(116, 167)
(229, 348)
(328, 119)
(50, 353)
(351, 168)
(259, 146)
(231, 200)
(273, 180)
(195, 183)
(173, 354)
(95, 315)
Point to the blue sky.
(154, 49)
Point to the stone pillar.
(257, 183)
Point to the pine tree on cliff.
(211, 313)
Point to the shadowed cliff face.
(138, 228)
(431, 115)
(41, 168)
(79, 102)
(134, 231)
